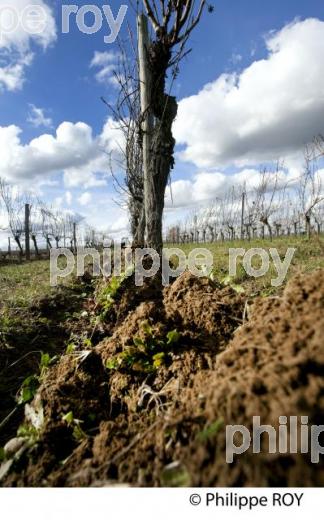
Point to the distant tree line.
(33, 225)
(273, 207)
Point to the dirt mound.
(273, 367)
(149, 405)
(201, 307)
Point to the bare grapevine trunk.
(137, 215)
(308, 225)
(35, 244)
(21, 251)
(172, 25)
(266, 223)
(48, 242)
(164, 111)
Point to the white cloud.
(206, 186)
(12, 73)
(100, 59)
(92, 173)
(201, 188)
(85, 198)
(106, 63)
(120, 226)
(86, 176)
(3, 221)
(19, 38)
(68, 198)
(268, 111)
(236, 58)
(37, 117)
(102, 213)
(15, 45)
(73, 150)
(58, 202)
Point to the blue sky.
(61, 81)
(61, 87)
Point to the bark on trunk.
(164, 111)
(21, 251)
(137, 223)
(266, 223)
(212, 234)
(35, 245)
(308, 226)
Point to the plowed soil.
(167, 427)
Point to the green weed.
(75, 424)
(107, 295)
(148, 353)
(31, 384)
(210, 431)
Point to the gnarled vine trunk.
(172, 23)
(163, 109)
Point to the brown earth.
(167, 426)
(44, 326)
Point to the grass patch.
(21, 283)
(309, 255)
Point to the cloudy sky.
(250, 92)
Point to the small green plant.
(28, 389)
(210, 431)
(148, 353)
(87, 343)
(45, 362)
(173, 337)
(231, 282)
(158, 359)
(175, 475)
(68, 418)
(112, 363)
(77, 431)
(78, 343)
(70, 348)
(107, 295)
(30, 385)
(29, 432)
